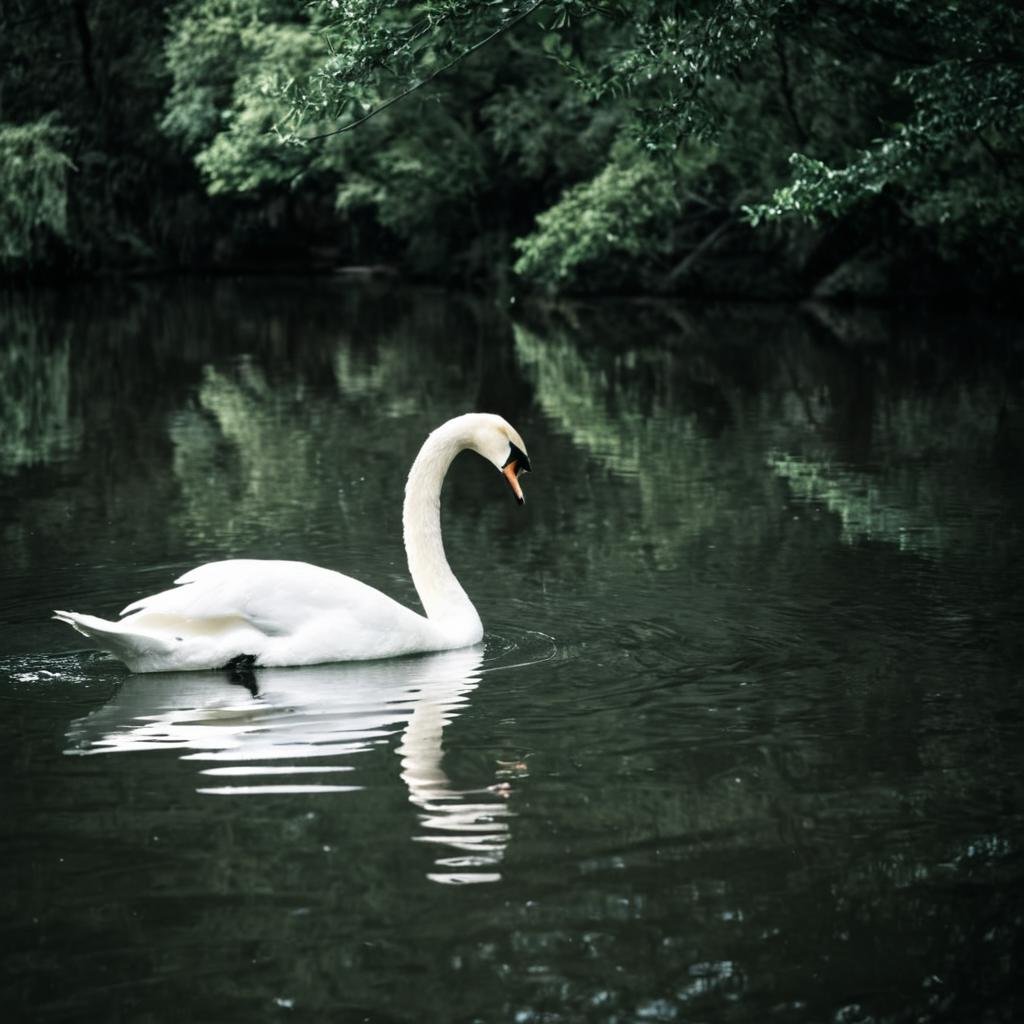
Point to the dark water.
(744, 742)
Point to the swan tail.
(74, 620)
(128, 645)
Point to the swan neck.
(444, 600)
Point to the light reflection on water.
(745, 738)
(326, 714)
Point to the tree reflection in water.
(756, 409)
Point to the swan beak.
(510, 472)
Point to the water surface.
(744, 738)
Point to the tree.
(33, 189)
(860, 99)
(726, 146)
(952, 162)
(86, 171)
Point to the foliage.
(952, 161)
(609, 219)
(33, 189)
(762, 79)
(95, 70)
(227, 60)
(595, 144)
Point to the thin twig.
(697, 251)
(434, 74)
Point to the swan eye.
(519, 457)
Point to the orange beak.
(511, 474)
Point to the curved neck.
(443, 598)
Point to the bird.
(251, 613)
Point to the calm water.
(744, 741)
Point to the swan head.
(500, 444)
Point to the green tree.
(726, 146)
(952, 161)
(813, 109)
(33, 189)
(84, 162)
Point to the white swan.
(275, 613)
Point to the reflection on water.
(620, 405)
(37, 423)
(884, 440)
(868, 508)
(302, 727)
(744, 742)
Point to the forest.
(866, 149)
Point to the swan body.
(278, 613)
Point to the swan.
(256, 612)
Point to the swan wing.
(278, 598)
(276, 613)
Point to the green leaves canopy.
(595, 143)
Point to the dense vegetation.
(762, 147)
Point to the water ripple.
(511, 647)
(58, 679)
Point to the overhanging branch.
(500, 30)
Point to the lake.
(743, 741)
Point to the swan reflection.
(298, 730)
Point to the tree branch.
(500, 30)
(697, 251)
